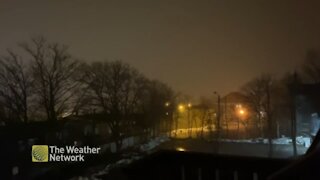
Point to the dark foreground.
(193, 158)
(174, 165)
(232, 148)
(178, 165)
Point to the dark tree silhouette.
(116, 89)
(311, 67)
(254, 92)
(154, 106)
(15, 86)
(204, 114)
(53, 69)
(259, 96)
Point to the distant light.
(180, 149)
(181, 107)
(189, 105)
(241, 111)
(167, 104)
(238, 106)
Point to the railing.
(176, 165)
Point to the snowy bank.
(300, 140)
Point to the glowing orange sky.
(195, 46)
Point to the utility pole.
(219, 117)
(225, 116)
(189, 121)
(218, 121)
(293, 113)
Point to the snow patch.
(130, 157)
(300, 140)
(153, 143)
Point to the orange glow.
(180, 149)
(181, 108)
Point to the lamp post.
(218, 120)
(241, 113)
(218, 115)
(189, 122)
(181, 108)
(169, 117)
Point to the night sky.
(197, 47)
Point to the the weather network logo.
(45, 153)
(40, 153)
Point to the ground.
(232, 148)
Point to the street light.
(218, 121)
(218, 112)
(189, 121)
(241, 111)
(181, 107)
(169, 114)
(241, 115)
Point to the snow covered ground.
(194, 132)
(128, 158)
(300, 140)
(153, 143)
(191, 132)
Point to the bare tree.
(311, 67)
(254, 91)
(116, 89)
(259, 94)
(53, 69)
(289, 101)
(157, 102)
(203, 114)
(15, 86)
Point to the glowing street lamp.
(241, 111)
(181, 108)
(189, 105)
(180, 149)
(189, 121)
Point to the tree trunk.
(293, 127)
(270, 124)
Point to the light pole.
(218, 115)
(241, 113)
(218, 121)
(169, 118)
(181, 109)
(189, 122)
